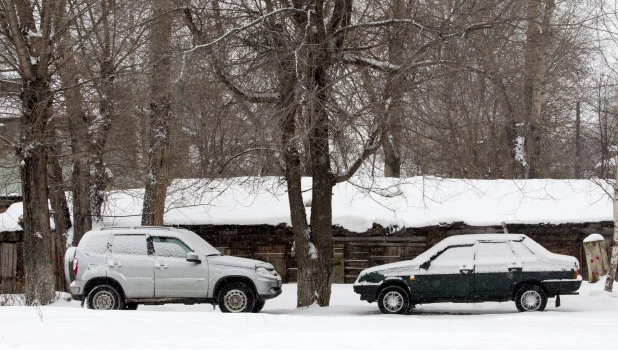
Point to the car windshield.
(198, 244)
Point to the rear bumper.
(367, 292)
(561, 287)
(77, 289)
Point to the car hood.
(236, 261)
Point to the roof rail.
(135, 228)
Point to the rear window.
(522, 251)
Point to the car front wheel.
(259, 305)
(531, 298)
(236, 297)
(393, 300)
(105, 297)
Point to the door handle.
(161, 266)
(466, 271)
(115, 264)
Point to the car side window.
(130, 244)
(170, 247)
(452, 259)
(494, 252)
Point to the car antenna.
(506, 230)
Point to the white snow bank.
(9, 219)
(410, 202)
(593, 238)
(357, 205)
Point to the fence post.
(596, 256)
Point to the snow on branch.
(390, 67)
(369, 62)
(382, 24)
(237, 30)
(394, 21)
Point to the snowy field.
(586, 321)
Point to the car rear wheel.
(105, 297)
(236, 297)
(394, 300)
(531, 298)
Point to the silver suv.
(121, 267)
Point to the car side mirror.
(193, 257)
(425, 265)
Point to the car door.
(447, 276)
(175, 277)
(131, 264)
(496, 269)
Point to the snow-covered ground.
(586, 321)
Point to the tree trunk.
(613, 262)
(61, 216)
(315, 280)
(578, 141)
(160, 109)
(393, 96)
(38, 260)
(78, 128)
(540, 13)
(101, 125)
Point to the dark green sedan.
(473, 268)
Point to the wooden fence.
(353, 251)
(11, 263)
(357, 251)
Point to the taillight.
(575, 274)
(75, 267)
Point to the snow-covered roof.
(357, 205)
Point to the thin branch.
(237, 30)
(242, 153)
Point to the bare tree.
(27, 26)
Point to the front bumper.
(561, 287)
(368, 292)
(268, 288)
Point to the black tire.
(394, 300)
(105, 297)
(236, 297)
(258, 306)
(530, 298)
(131, 306)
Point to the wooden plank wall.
(357, 251)
(11, 268)
(353, 251)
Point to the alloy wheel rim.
(531, 300)
(235, 300)
(104, 300)
(393, 301)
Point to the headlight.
(264, 272)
